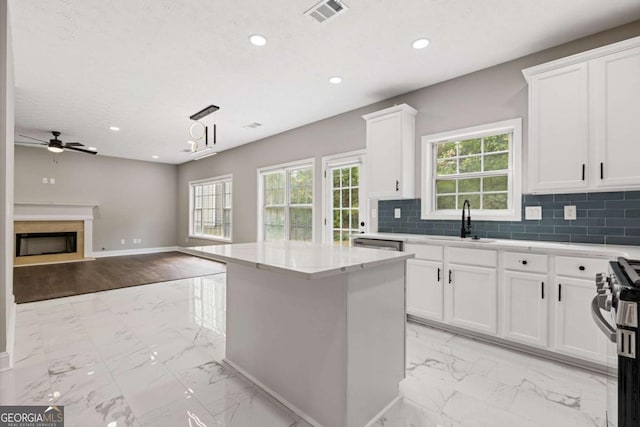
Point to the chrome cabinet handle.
(604, 326)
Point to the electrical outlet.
(533, 212)
(397, 213)
(186, 240)
(45, 180)
(122, 241)
(52, 180)
(570, 213)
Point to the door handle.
(583, 165)
(397, 185)
(438, 274)
(601, 170)
(542, 289)
(450, 276)
(559, 292)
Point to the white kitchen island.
(321, 328)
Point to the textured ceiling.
(146, 65)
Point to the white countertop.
(605, 251)
(307, 260)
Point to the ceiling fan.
(57, 146)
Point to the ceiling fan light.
(55, 149)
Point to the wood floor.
(42, 282)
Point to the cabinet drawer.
(518, 261)
(428, 252)
(481, 257)
(580, 267)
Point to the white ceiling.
(146, 65)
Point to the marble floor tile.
(151, 356)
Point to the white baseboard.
(104, 254)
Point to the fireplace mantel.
(48, 211)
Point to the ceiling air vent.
(326, 9)
(253, 125)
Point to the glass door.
(343, 187)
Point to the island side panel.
(289, 334)
(376, 318)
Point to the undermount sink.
(460, 239)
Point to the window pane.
(495, 183)
(273, 232)
(444, 186)
(496, 143)
(474, 199)
(336, 218)
(495, 162)
(300, 186)
(274, 188)
(355, 178)
(345, 219)
(446, 202)
(345, 177)
(495, 201)
(345, 198)
(446, 150)
(336, 178)
(354, 198)
(471, 185)
(470, 164)
(336, 198)
(336, 236)
(446, 167)
(470, 146)
(355, 221)
(300, 224)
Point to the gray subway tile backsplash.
(606, 217)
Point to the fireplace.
(31, 244)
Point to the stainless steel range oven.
(618, 294)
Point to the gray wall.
(486, 96)
(7, 306)
(136, 199)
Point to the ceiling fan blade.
(82, 150)
(71, 144)
(35, 139)
(31, 143)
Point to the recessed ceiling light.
(420, 43)
(155, 157)
(257, 40)
(335, 80)
(114, 128)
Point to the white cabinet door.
(559, 129)
(391, 153)
(576, 333)
(424, 289)
(471, 295)
(615, 83)
(525, 308)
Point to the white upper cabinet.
(391, 153)
(583, 114)
(558, 130)
(615, 81)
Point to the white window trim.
(298, 164)
(334, 160)
(515, 172)
(192, 235)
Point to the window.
(286, 208)
(210, 201)
(480, 164)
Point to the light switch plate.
(45, 180)
(122, 241)
(52, 180)
(533, 212)
(397, 213)
(570, 213)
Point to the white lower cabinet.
(424, 289)
(471, 297)
(576, 334)
(525, 308)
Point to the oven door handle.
(604, 326)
